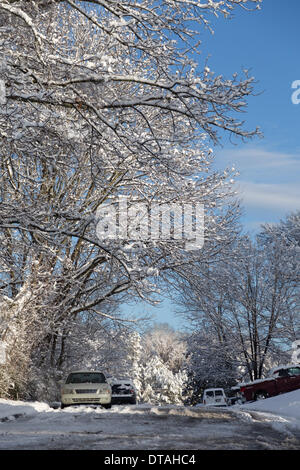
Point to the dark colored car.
(283, 379)
(123, 391)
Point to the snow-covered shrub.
(156, 367)
(160, 385)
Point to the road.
(144, 427)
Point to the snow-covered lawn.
(270, 424)
(283, 410)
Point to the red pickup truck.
(282, 380)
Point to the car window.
(219, 393)
(210, 394)
(86, 377)
(294, 371)
(117, 386)
(283, 373)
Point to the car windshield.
(210, 394)
(86, 377)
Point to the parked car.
(214, 397)
(123, 391)
(86, 387)
(282, 379)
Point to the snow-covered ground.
(270, 424)
(283, 410)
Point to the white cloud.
(262, 166)
(270, 196)
(269, 181)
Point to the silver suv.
(86, 388)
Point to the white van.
(214, 397)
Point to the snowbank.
(286, 406)
(9, 409)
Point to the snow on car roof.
(210, 389)
(128, 383)
(257, 381)
(286, 366)
(119, 380)
(87, 372)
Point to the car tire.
(62, 406)
(261, 395)
(108, 406)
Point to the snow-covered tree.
(160, 384)
(158, 365)
(287, 231)
(100, 100)
(20, 326)
(102, 104)
(168, 345)
(284, 240)
(248, 302)
(210, 364)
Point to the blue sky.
(266, 42)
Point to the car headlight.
(68, 391)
